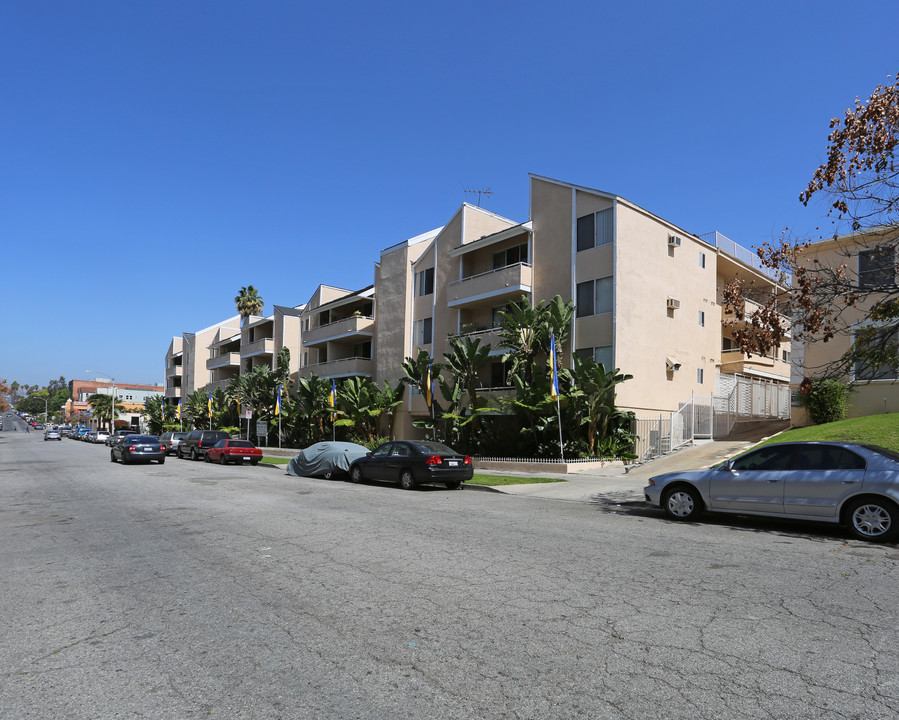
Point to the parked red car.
(237, 451)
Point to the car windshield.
(240, 443)
(428, 446)
(142, 438)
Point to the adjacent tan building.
(870, 261)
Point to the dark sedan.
(412, 463)
(854, 484)
(136, 448)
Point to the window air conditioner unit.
(673, 304)
(673, 241)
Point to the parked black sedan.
(413, 463)
(133, 448)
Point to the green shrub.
(826, 400)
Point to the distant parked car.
(171, 440)
(414, 463)
(131, 448)
(38, 426)
(198, 442)
(236, 451)
(101, 437)
(326, 459)
(52, 435)
(849, 483)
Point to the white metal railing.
(489, 272)
(744, 255)
(739, 398)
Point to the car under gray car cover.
(325, 458)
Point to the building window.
(876, 268)
(362, 350)
(424, 282)
(595, 229)
(699, 374)
(510, 256)
(499, 372)
(702, 318)
(785, 355)
(602, 355)
(423, 332)
(882, 343)
(594, 297)
(702, 259)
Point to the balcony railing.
(506, 282)
(174, 371)
(265, 346)
(343, 367)
(744, 255)
(225, 360)
(361, 325)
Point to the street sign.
(248, 414)
(262, 428)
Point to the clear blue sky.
(155, 157)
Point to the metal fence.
(739, 398)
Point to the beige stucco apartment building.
(870, 261)
(648, 295)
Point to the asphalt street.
(191, 590)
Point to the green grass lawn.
(880, 430)
(275, 460)
(493, 480)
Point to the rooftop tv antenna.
(486, 193)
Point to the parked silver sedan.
(854, 484)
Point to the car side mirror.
(368, 454)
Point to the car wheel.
(453, 484)
(222, 460)
(252, 462)
(124, 458)
(682, 503)
(407, 480)
(162, 461)
(111, 456)
(873, 519)
(193, 454)
(356, 474)
(327, 475)
(180, 456)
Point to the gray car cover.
(325, 458)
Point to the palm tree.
(248, 302)
(598, 388)
(313, 405)
(102, 405)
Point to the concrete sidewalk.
(614, 484)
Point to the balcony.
(750, 308)
(174, 371)
(345, 367)
(171, 392)
(490, 336)
(224, 360)
(350, 327)
(734, 362)
(494, 287)
(265, 346)
(213, 386)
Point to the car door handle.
(849, 482)
(774, 481)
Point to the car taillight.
(131, 448)
(467, 460)
(434, 460)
